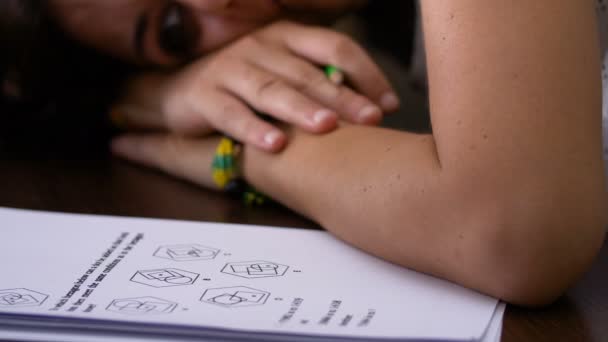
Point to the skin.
(272, 70)
(108, 25)
(213, 94)
(506, 196)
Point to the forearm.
(352, 162)
(383, 191)
(386, 193)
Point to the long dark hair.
(54, 92)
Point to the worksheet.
(161, 279)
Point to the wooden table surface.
(111, 187)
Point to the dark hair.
(61, 90)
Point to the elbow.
(537, 274)
(536, 249)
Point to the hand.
(273, 71)
(188, 158)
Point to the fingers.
(327, 47)
(182, 157)
(143, 106)
(132, 118)
(271, 94)
(232, 117)
(311, 81)
(275, 72)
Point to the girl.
(507, 195)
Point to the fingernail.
(389, 101)
(369, 113)
(272, 138)
(323, 115)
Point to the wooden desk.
(110, 187)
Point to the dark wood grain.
(111, 187)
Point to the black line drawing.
(21, 298)
(255, 269)
(165, 277)
(187, 252)
(142, 306)
(233, 297)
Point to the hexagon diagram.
(21, 298)
(188, 252)
(235, 297)
(165, 277)
(255, 269)
(142, 306)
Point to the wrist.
(280, 175)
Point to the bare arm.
(507, 196)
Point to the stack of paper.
(91, 278)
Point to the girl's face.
(165, 32)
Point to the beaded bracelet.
(226, 174)
(224, 166)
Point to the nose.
(208, 5)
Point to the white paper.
(192, 279)
(494, 332)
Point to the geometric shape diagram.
(255, 269)
(21, 298)
(164, 277)
(187, 252)
(142, 306)
(235, 297)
